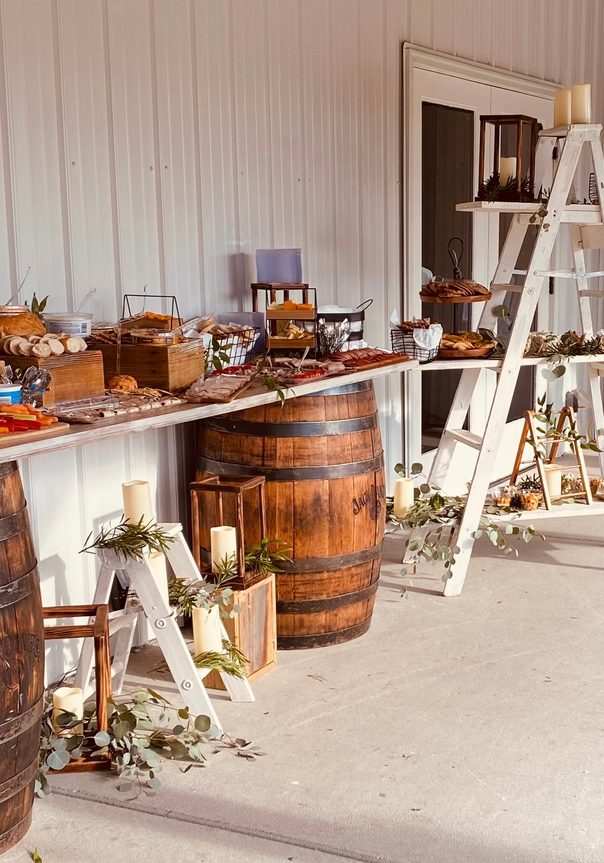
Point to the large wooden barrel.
(323, 462)
(21, 660)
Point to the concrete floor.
(465, 730)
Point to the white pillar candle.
(403, 495)
(207, 631)
(157, 564)
(562, 112)
(223, 543)
(137, 501)
(580, 103)
(553, 479)
(67, 699)
(507, 169)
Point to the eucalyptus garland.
(144, 730)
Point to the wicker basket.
(404, 343)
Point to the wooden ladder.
(587, 231)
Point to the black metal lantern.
(509, 179)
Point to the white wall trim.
(416, 57)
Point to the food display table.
(78, 435)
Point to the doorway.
(444, 98)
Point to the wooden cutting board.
(13, 438)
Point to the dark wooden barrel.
(21, 660)
(323, 462)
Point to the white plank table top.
(119, 426)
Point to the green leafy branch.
(130, 539)
(432, 522)
(267, 556)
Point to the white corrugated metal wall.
(160, 142)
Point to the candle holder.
(219, 487)
(519, 185)
(98, 630)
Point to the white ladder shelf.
(586, 223)
(188, 678)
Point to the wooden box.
(253, 630)
(166, 367)
(74, 376)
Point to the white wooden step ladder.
(587, 232)
(188, 678)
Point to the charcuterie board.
(26, 436)
(361, 366)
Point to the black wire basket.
(239, 346)
(404, 343)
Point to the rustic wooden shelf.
(584, 214)
(119, 426)
(495, 363)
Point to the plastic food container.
(10, 394)
(13, 310)
(72, 324)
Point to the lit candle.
(207, 630)
(403, 495)
(137, 501)
(553, 479)
(223, 543)
(562, 112)
(67, 699)
(580, 103)
(507, 169)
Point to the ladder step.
(569, 274)
(597, 294)
(513, 289)
(465, 437)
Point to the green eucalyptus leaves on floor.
(144, 730)
(431, 525)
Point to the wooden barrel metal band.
(290, 474)
(16, 832)
(19, 589)
(17, 783)
(324, 639)
(305, 606)
(294, 429)
(330, 564)
(13, 524)
(12, 727)
(359, 387)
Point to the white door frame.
(485, 232)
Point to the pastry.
(123, 383)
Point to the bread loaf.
(22, 324)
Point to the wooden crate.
(74, 376)
(253, 630)
(166, 367)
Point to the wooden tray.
(281, 344)
(290, 314)
(209, 400)
(23, 437)
(444, 301)
(474, 353)
(390, 361)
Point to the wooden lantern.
(492, 188)
(219, 487)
